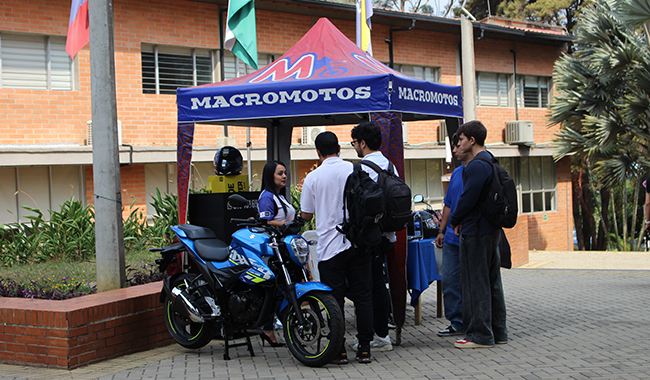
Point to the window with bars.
(429, 184)
(35, 62)
(535, 91)
(538, 184)
(165, 68)
(492, 89)
(235, 67)
(431, 74)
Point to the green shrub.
(69, 235)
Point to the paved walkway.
(571, 315)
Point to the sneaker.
(391, 323)
(501, 342)
(341, 358)
(378, 343)
(464, 343)
(449, 331)
(363, 355)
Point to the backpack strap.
(372, 165)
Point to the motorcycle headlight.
(299, 250)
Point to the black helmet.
(228, 161)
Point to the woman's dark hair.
(268, 181)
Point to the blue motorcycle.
(224, 291)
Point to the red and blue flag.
(78, 28)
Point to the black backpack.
(499, 202)
(364, 201)
(397, 197)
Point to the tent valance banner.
(322, 80)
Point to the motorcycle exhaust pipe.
(192, 311)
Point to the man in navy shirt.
(484, 309)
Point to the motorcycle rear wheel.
(319, 341)
(185, 332)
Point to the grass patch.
(63, 280)
(83, 270)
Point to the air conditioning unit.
(309, 134)
(519, 132)
(442, 132)
(89, 132)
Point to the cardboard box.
(227, 183)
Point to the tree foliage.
(416, 6)
(603, 104)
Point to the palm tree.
(603, 105)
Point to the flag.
(241, 37)
(78, 28)
(364, 13)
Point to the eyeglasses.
(353, 142)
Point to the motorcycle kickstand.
(228, 345)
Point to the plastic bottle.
(417, 225)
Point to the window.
(430, 74)
(166, 68)
(535, 90)
(492, 89)
(41, 187)
(235, 67)
(423, 177)
(538, 184)
(35, 62)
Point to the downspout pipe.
(222, 69)
(389, 41)
(514, 62)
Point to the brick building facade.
(45, 103)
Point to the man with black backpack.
(366, 141)
(484, 309)
(340, 264)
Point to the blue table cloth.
(421, 267)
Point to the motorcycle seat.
(196, 232)
(212, 249)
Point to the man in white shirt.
(366, 141)
(338, 261)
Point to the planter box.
(80, 331)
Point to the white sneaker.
(378, 344)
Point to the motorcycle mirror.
(237, 200)
(418, 198)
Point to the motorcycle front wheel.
(185, 332)
(319, 340)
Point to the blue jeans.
(451, 293)
(484, 307)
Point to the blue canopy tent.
(324, 79)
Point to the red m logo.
(281, 69)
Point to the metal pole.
(109, 235)
(248, 158)
(469, 73)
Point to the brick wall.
(132, 185)
(80, 331)
(518, 239)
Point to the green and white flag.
(241, 36)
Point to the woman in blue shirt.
(272, 204)
(274, 207)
